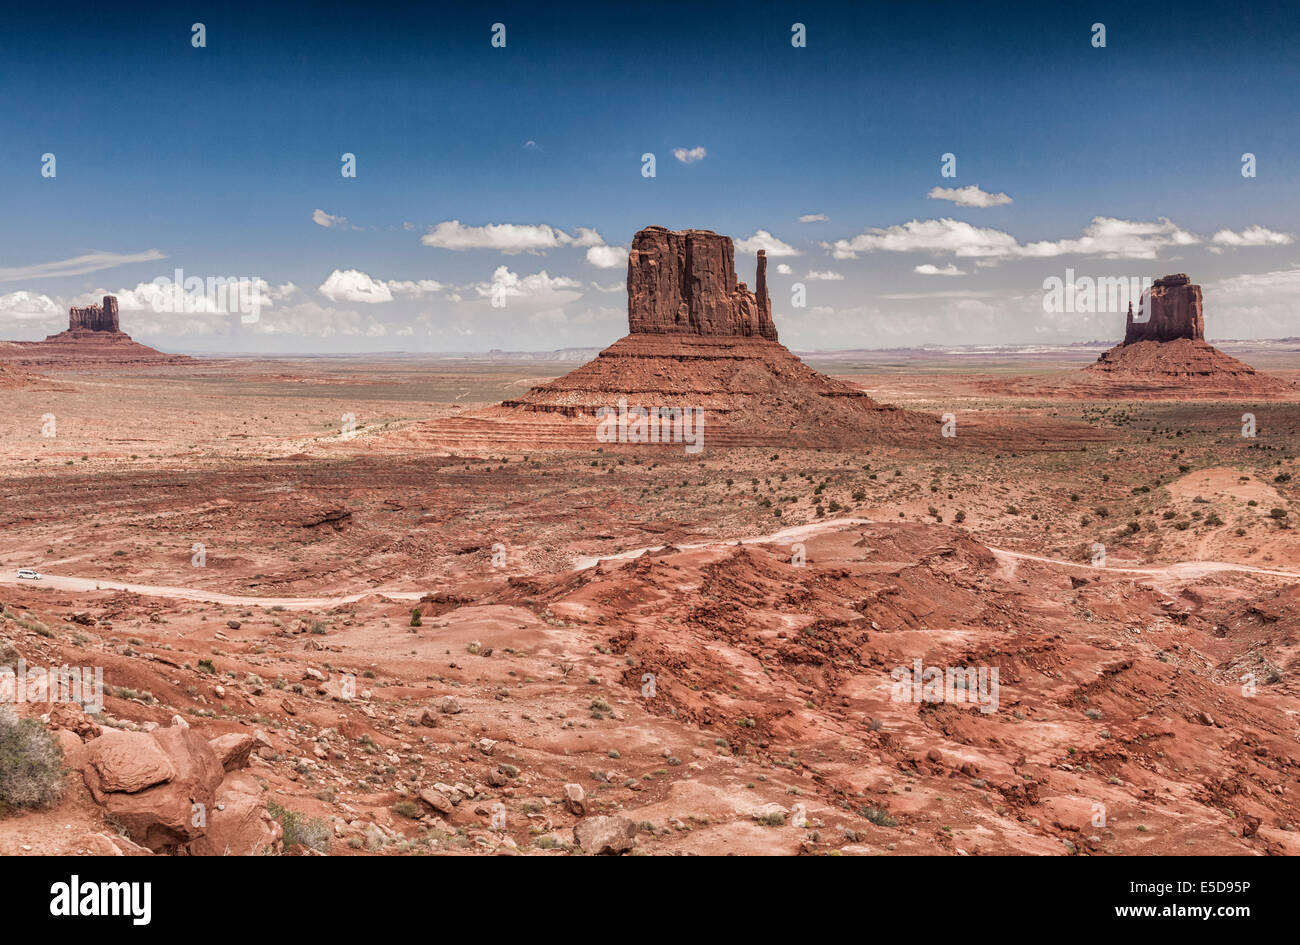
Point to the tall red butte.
(93, 336)
(1167, 353)
(699, 338)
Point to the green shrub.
(301, 830)
(31, 763)
(408, 809)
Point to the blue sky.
(216, 160)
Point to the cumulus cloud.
(823, 276)
(1258, 305)
(1252, 236)
(321, 218)
(77, 265)
(607, 257)
(508, 238)
(539, 285)
(814, 218)
(213, 298)
(766, 241)
(927, 269)
(969, 196)
(783, 269)
(1107, 237)
(25, 306)
(690, 155)
(352, 285)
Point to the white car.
(29, 574)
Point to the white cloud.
(211, 300)
(1253, 236)
(417, 288)
(927, 269)
(814, 218)
(1107, 237)
(352, 285)
(607, 257)
(508, 238)
(690, 155)
(969, 196)
(823, 276)
(28, 306)
(321, 218)
(77, 265)
(783, 269)
(531, 145)
(765, 240)
(539, 285)
(1253, 305)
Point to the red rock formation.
(1167, 355)
(92, 336)
(699, 339)
(684, 282)
(95, 317)
(1175, 312)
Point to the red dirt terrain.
(326, 623)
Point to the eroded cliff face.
(1175, 309)
(95, 317)
(684, 282)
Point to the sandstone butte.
(700, 338)
(1167, 353)
(93, 335)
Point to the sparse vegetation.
(31, 763)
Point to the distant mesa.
(95, 317)
(1164, 351)
(700, 338)
(93, 336)
(701, 343)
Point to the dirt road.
(1183, 570)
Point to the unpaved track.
(1183, 570)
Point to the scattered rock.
(233, 749)
(605, 835)
(575, 799)
(437, 801)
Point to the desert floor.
(235, 540)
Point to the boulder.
(605, 835)
(160, 787)
(575, 799)
(233, 749)
(126, 762)
(438, 801)
(239, 824)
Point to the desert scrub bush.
(9, 654)
(31, 763)
(408, 809)
(301, 830)
(34, 625)
(879, 816)
(415, 616)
